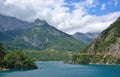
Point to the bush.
(84, 59)
(18, 60)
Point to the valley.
(59, 38)
(42, 41)
(39, 40)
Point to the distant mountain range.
(39, 35)
(10, 27)
(8, 23)
(86, 37)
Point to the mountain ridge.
(8, 23)
(36, 35)
(86, 37)
(44, 36)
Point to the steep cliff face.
(105, 49)
(108, 41)
(107, 45)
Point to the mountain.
(9, 35)
(108, 41)
(10, 27)
(92, 35)
(86, 37)
(8, 23)
(44, 36)
(12, 23)
(105, 49)
(38, 35)
(83, 37)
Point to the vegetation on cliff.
(105, 49)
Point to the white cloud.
(91, 3)
(99, 23)
(103, 6)
(57, 14)
(92, 23)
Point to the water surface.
(59, 69)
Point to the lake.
(59, 69)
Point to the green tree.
(2, 52)
(18, 60)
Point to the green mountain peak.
(45, 37)
(42, 23)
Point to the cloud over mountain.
(69, 16)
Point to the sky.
(69, 16)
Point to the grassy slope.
(46, 55)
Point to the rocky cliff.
(108, 41)
(105, 49)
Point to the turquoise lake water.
(59, 69)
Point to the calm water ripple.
(59, 69)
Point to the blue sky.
(109, 6)
(69, 16)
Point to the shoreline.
(92, 63)
(4, 69)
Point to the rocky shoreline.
(3, 69)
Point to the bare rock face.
(108, 40)
(108, 43)
(34, 41)
(115, 48)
